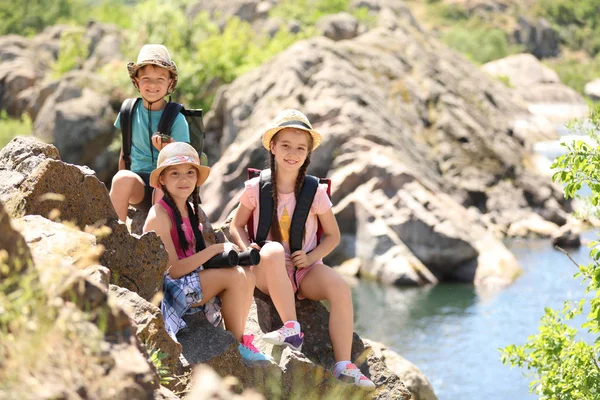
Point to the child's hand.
(223, 247)
(254, 246)
(300, 259)
(159, 142)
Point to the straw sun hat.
(154, 54)
(290, 118)
(178, 153)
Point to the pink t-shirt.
(285, 211)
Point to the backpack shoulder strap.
(265, 202)
(303, 205)
(168, 117)
(125, 120)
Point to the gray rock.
(566, 237)
(150, 325)
(51, 184)
(541, 39)
(137, 263)
(592, 89)
(341, 26)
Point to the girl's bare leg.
(323, 283)
(272, 279)
(232, 286)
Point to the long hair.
(194, 220)
(275, 228)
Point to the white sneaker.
(287, 335)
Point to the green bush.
(577, 21)
(11, 127)
(564, 364)
(308, 11)
(479, 44)
(575, 73)
(73, 52)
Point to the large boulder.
(37, 182)
(78, 118)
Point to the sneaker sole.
(275, 342)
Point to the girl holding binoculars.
(189, 288)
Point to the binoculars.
(232, 258)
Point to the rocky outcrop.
(341, 26)
(539, 39)
(413, 378)
(74, 111)
(317, 349)
(89, 347)
(37, 182)
(419, 148)
(538, 87)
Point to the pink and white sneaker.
(351, 374)
(287, 335)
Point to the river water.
(452, 332)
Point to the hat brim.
(268, 135)
(203, 173)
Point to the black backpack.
(193, 118)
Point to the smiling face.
(153, 82)
(179, 180)
(290, 148)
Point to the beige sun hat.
(177, 153)
(154, 54)
(290, 118)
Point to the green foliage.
(12, 127)
(565, 365)
(574, 72)
(155, 356)
(308, 11)
(479, 44)
(73, 52)
(32, 16)
(505, 80)
(219, 57)
(578, 22)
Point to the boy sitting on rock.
(154, 75)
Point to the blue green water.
(452, 331)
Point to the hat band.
(288, 123)
(179, 160)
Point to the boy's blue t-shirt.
(143, 154)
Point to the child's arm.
(331, 239)
(159, 221)
(237, 229)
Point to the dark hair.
(275, 228)
(194, 220)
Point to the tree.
(564, 363)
